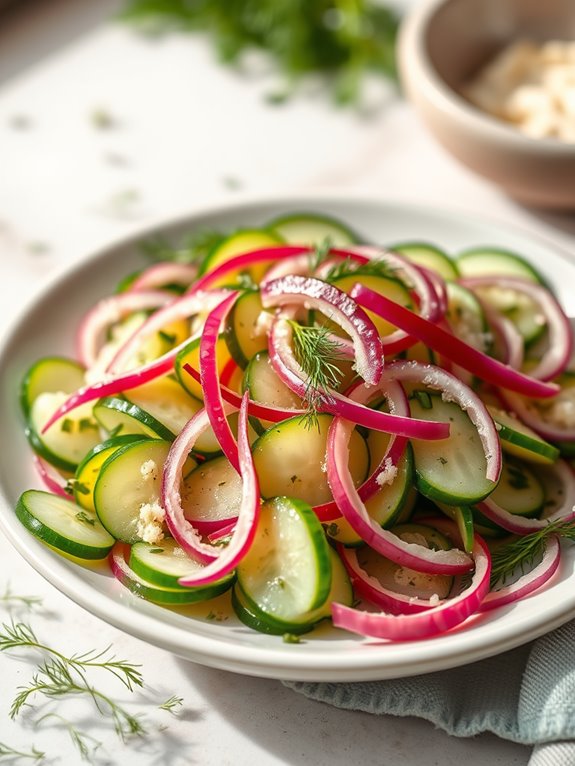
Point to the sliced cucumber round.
(242, 331)
(520, 440)
(190, 354)
(494, 261)
(287, 571)
(467, 318)
(265, 622)
(242, 241)
(312, 229)
(212, 491)
(50, 375)
(519, 490)
(89, 469)
(118, 416)
(462, 515)
(164, 563)
(429, 256)
(290, 459)
(450, 470)
(128, 486)
(264, 386)
(63, 525)
(66, 442)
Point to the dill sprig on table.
(522, 553)
(338, 38)
(12, 754)
(8, 598)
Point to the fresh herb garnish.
(83, 516)
(522, 553)
(8, 598)
(172, 704)
(291, 638)
(319, 254)
(341, 39)
(9, 752)
(317, 352)
(376, 267)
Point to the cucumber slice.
(462, 515)
(212, 491)
(165, 562)
(429, 256)
(63, 525)
(404, 580)
(127, 491)
(494, 261)
(242, 331)
(312, 229)
(164, 595)
(257, 619)
(89, 469)
(519, 490)
(287, 571)
(166, 401)
(290, 458)
(467, 318)
(66, 442)
(520, 440)
(261, 380)
(50, 375)
(241, 242)
(450, 470)
(386, 505)
(119, 416)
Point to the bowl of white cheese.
(494, 80)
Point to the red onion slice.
(383, 541)
(50, 477)
(337, 306)
(438, 619)
(164, 273)
(520, 525)
(210, 381)
(108, 311)
(451, 347)
(560, 332)
(529, 582)
(248, 516)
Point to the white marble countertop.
(185, 132)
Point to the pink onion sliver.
(560, 332)
(337, 306)
(210, 381)
(181, 308)
(299, 264)
(453, 348)
(244, 261)
(520, 525)
(224, 531)
(49, 477)
(552, 431)
(181, 529)
(371, 589)
(353, 509)
(290, 372)
(248, 516)
(431, 622)
(397, 402)
(509, 337)
(107, 312)
(115, 385)
(164, 273)
(530, 581)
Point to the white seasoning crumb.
(434, 599)
(387, 476)
(150, 526)
(149, 470)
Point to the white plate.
(47, 326)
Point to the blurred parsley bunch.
(340, 38)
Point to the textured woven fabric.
(526, 695)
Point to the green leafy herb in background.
(341, 38)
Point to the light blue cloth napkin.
(526, 695)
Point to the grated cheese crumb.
(387, 476)
(149, 470)
(150, 527)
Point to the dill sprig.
(319, 254)
(9, 752)
(9, 598)
(316, 351)
(376, 267)
(522, 553)
(83, 742)
(172, 704)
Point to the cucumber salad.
(319, 427)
